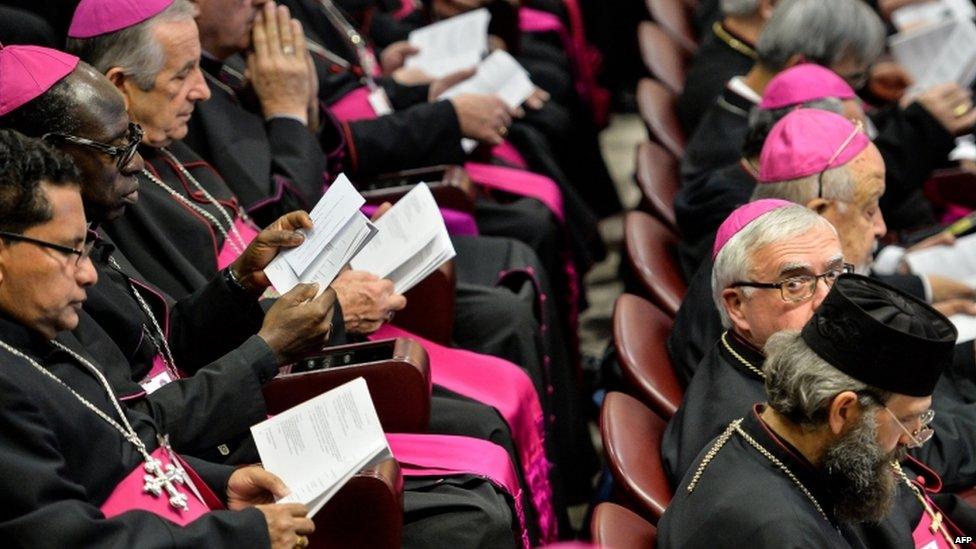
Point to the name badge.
(380, 102)
(156, 382)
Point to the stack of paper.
(915, 16)
(339, 232)
(411, 243)
(454, 44)
(317, 446)
(938, 54)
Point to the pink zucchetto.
(803, 83)
(97, 17)
(742, 217)
(806, 142)
(26, 72)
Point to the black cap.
(881, 336)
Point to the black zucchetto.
(881, 336)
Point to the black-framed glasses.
(801, 287)
(858, 128)
(84, 252)
(122, 155)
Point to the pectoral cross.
(936, 523)
(159, 479)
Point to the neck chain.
(158, 478)
(733, 42)
(740, 358)
(937, 526)
(231, 235)
(736, 427)
(216, 81)
(355, 40)
(159, 337)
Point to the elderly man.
(844, 397)
(66, 456)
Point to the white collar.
(739, 87)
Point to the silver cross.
(158, 480)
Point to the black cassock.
(61, 462)
(718, 140)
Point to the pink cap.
(809, 141)
(742, 217)
(96, 17)
(802, 83)
(26, 72)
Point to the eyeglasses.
(122, 155)
(799, 288)
(921, 435)
(84, 252)
(858, 128)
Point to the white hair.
(133, 49)
(739, 7)
(838, 184)
(734, 261)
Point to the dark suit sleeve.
(297, 157)
(402, 96)
(43, 508)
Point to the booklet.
(451, 45)
(938, 54)
(411, 242)
(914, 16)
(339, 232)
(317, 446)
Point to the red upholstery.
(675, 18)
(662, 56)
(640, 333)
(342, 523)
(650, 249)
(616, 527)
(658, 179)
(430, 306)
(632, 443)
(656, 104)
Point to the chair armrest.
(366, 512)
(430, 306)
(397, 372)
(449, 185)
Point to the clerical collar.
(741, 354)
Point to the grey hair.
(768, 117)
(739, 7)
(838, 184)
(800, 385)
(133, 49)
(734, 260)
(825, 32)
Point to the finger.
(259, 38)
(271, 28)
(327, 299)
(967, 121)
(294, 509)
(542, 94)
(384, 207)
(304, 526)
(518, 112)
(300, 293)
(298, 36)
(457, 77)
(396, 302)
(270, 482)
(280, 238)
(291, 221)
(284, 27)
(362, 276)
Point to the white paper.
(938, 54)
(317, 446)
(339, 232)
(914, 16)
(498, 74)
(957, 261)
(966, 326)
(454, 44)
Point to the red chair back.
(651, 253)
(656, 104)
(675, 18)
(658, 178)
(632, 443)
(662, 56)
(640, 335)
(617, 527)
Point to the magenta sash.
(129, 495)
(353, 106)
(519, 182)
(506, 388)
(507, 153)
(438, 455)
(228, 254)
(925, 538)
(457, 222)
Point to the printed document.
(451, 45)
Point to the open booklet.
(957, 262)
(339, 232)
(938, 53)
(451, 45)
(317, 446)
(411, 243)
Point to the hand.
(888, 81)
(287, 523)
(384, 207)
(249, 267)
(887, 7)
(395, 55)
(944, 288)
(945, 238)
(441, 85)
(956, 306)
(278, 66)
(538, 99)
(484, 118)
(252, 485)
(412, 77)
(298, 324)
(367, 301)
(314, 107)
(951, 105)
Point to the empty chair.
(652, 257)
(662, 56)
(616, 527)
(632, 442)
(674, 16)
(658, 178)
(640, 334)
(656, 104)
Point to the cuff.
(303, 120)
(261, 358)
(888, 259)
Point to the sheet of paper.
(402, 231)
(957, 261)
(915, 16)
(966, 326)
(318, 445)
(332, 212)
(498, 74)
(450, 45)
(424, 262)
(937, 54)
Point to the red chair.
(675, 18)
(656, 104)
(640, 334)
(616, 527)
(662, 56)
(632, 443)
(658, 178)
(651, 254)
(342, 523)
